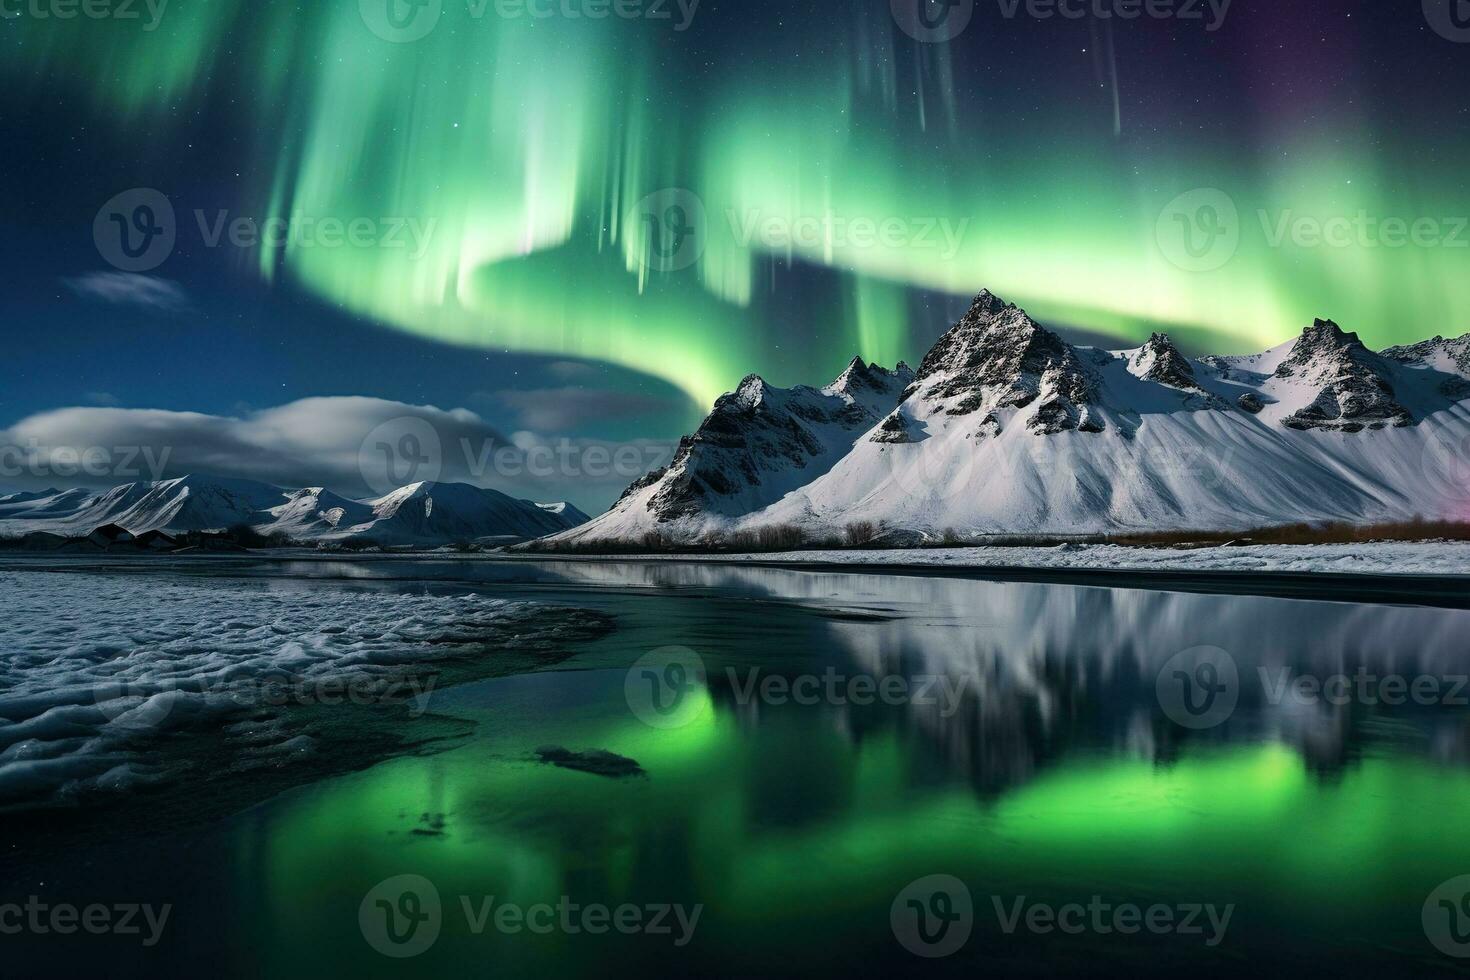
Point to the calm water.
(1023, 748)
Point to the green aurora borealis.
(527, 143)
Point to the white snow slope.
(1007, 429)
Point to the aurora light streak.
(528, 141)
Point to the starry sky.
(588, 218)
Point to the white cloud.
(129, 289)
(350, 444)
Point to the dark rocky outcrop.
(895, 429)
(598, 762)
(998, 357)
(1354, 390)
(1159, 360)
(759, 433)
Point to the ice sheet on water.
(1370, 557)
(95, 669)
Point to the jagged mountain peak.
(997, 357)
(1323, 340)
(1449, 354)
(991, 330)
(987, 302)
(862, 379)
(967, 445)
(1160, 360)
(858, 373)
(1350, 387)
(389, 503)
(564, 509)
(752, 392)
(760, 441)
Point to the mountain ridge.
(419, 514)
(1007, 428)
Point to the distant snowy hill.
(423, 514)
(1006, 428)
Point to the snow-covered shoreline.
(1439, 558)
(88, 704)
(1376, 558)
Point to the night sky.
(619, 217)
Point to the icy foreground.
(420, 514)
(86, 704)
(1006, 428)
(1376, 558)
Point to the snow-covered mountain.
(189, 503)
(759, 445)
(1006, 428)
(761, 442)
(439, 512)
(423, 514)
